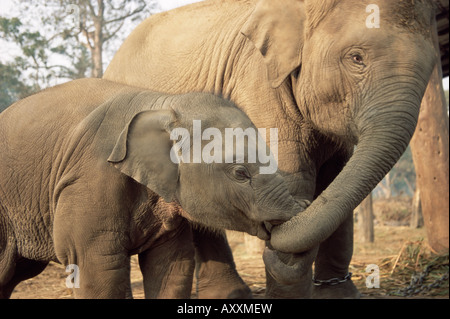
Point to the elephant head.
(166, 151)
(356, 83)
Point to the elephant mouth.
(263, 229)
(275, 222)
(262, 232)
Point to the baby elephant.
(92, 172)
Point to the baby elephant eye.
(241, 174)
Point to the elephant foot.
(222, 286)
(296, 291)
(344, 290)
(288, 276)
(302, 289)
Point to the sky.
(170, 4)
(7, 7)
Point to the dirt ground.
(398, 251)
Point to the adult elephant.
(318, 72)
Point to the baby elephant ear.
(142, 152)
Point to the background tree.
(430, 148)
(95, 22)
(401, 180)
(37, 52)
(366, 220)
(446, 98)
(68, 39)
(11, 87)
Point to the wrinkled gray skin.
(86, 178)
(314, 70)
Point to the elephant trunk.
(385, 130)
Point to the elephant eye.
(357, 59)
(241, 174)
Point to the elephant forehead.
(211, 110)
(220, 117)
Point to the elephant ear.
(142, 152)
(276, 28)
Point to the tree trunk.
(366, 220)
(97, 53)
(416, 215)
(430, 149)
(97, 59)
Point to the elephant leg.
(335, 253)
(215, 272)
(13, 268)
(102, 265)
(333, 260)
(8, 255)
(129, 290)
(168, 267)
(301, 185)
(86, 236)
(293, 274)
(105, 277)
(24, 269)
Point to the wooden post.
(416, 211)
(430, 149)
(366, 220)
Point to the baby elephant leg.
(88, 240)
(215, 271)
(168, 267)
(24, 269)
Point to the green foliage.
(89, 28)
(9, 26)
(37, 49)
(61, 40)
(401, 180)
(405, 173)
(11, 88)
